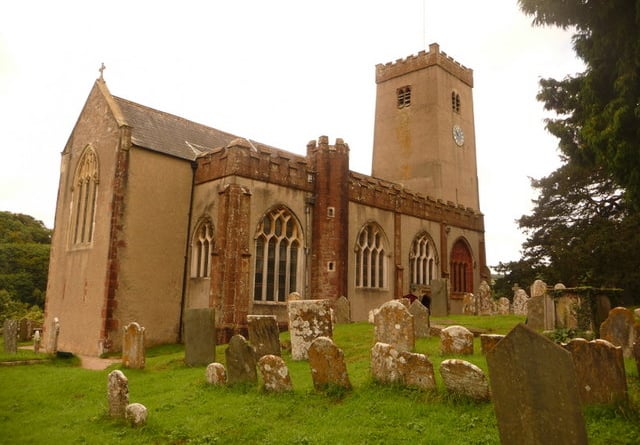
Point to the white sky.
(279, 72)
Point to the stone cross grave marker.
(199, 336)
(264, 334)
(534, 391)
(241, 361)
(133, 353)
(308, 320)
(393, 325)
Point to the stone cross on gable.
(101, 69)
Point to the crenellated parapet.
(375, 192)
(423, 60)
(244, 158)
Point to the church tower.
(424, 136)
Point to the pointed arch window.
(423, 260)
(461, 268)
(455, 102)
(371, 258)
(84, 196)
(279, 255)
(201, 250)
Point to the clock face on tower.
(458, 135)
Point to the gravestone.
(275, 374)
(136, 414)
(439, 297)
(456, 339)
(24, 329)
(534, 391)
(133, 353)
(469, 304)
(389, 365)
(600, 371)
(504, 306)
(485, 300)
(421, 324)
(264, 334)
(328, 368)
(117, 393)
(619, 329)
(308, 320)
(464, 378)
(10, 336)
(342, 310)
(36, 341)
(216, 374)
(566, 312)
(489, 341)
(520, 302)
(199, 336)
(394, 325)
(52, 346)
(241, 361)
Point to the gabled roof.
(169, 134)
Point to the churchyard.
(59, 400)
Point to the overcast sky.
(279, 72)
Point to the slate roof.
(170, 134)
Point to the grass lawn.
(61, 402)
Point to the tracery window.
(422, 260)
(371, 259)
(279, 256)
(404, 96)
(201, 249)
(84, 195)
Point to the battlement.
(423, 60)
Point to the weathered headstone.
(136, 414)
(489, 341)
(241, 361)
(24, 329)
(394, 325)
(600, 371)
(36, 341)
(10, 336)
(275, 374)
(199, 336)
(388, 365)
(133, 353)
(504, 306)
(264, 334)
(308, 320)
(328, 368)
(485, 300)
(117, 393)
(421, 324)
(534, 391)
(342, 310)
(619, 329)
(456, 339)
(216, 374)
(469, 304)
(520, 302)
(567, 312)
(464, 378)
(54, 333)
(439, 297)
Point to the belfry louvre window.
(422, 260)
(85, 193)
(455, 102)
(201, 249)
(278, 265)
(404, 96)
(371, 258)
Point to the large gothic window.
(278, 265)
(84, 195)
(371, 258)
(201, 249)
(423, 260)
(461, 268)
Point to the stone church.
(157, 214)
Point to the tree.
(598, 111)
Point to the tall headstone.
(470, 304)
(520, 302)
(199, 336)
(308, 320)
(342, 310)
(117, 393)
(24, 329)
(534, 390)
(619, 329)
(52, 346)
(439, 297)
(36, 341)
(485, 300)
(133, 353)
(421, 324)
(241, 361)
(394, 325)
(327, 364)
(264, 334)
(11, 336)
(464, 378)
(275, 374)
(600, 371)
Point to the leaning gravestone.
(534, 390)
(464, 378)
(241, 361)
(393, 324)
(600, 371)
(421, 324)
(439, 298)
(619, 329)
(328, 368)
(275, 374)
(133, 353)
(308, 320)
(264, 334)
(11, 336)
(199, 336)
(117, 393)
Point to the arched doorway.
(461, 268)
